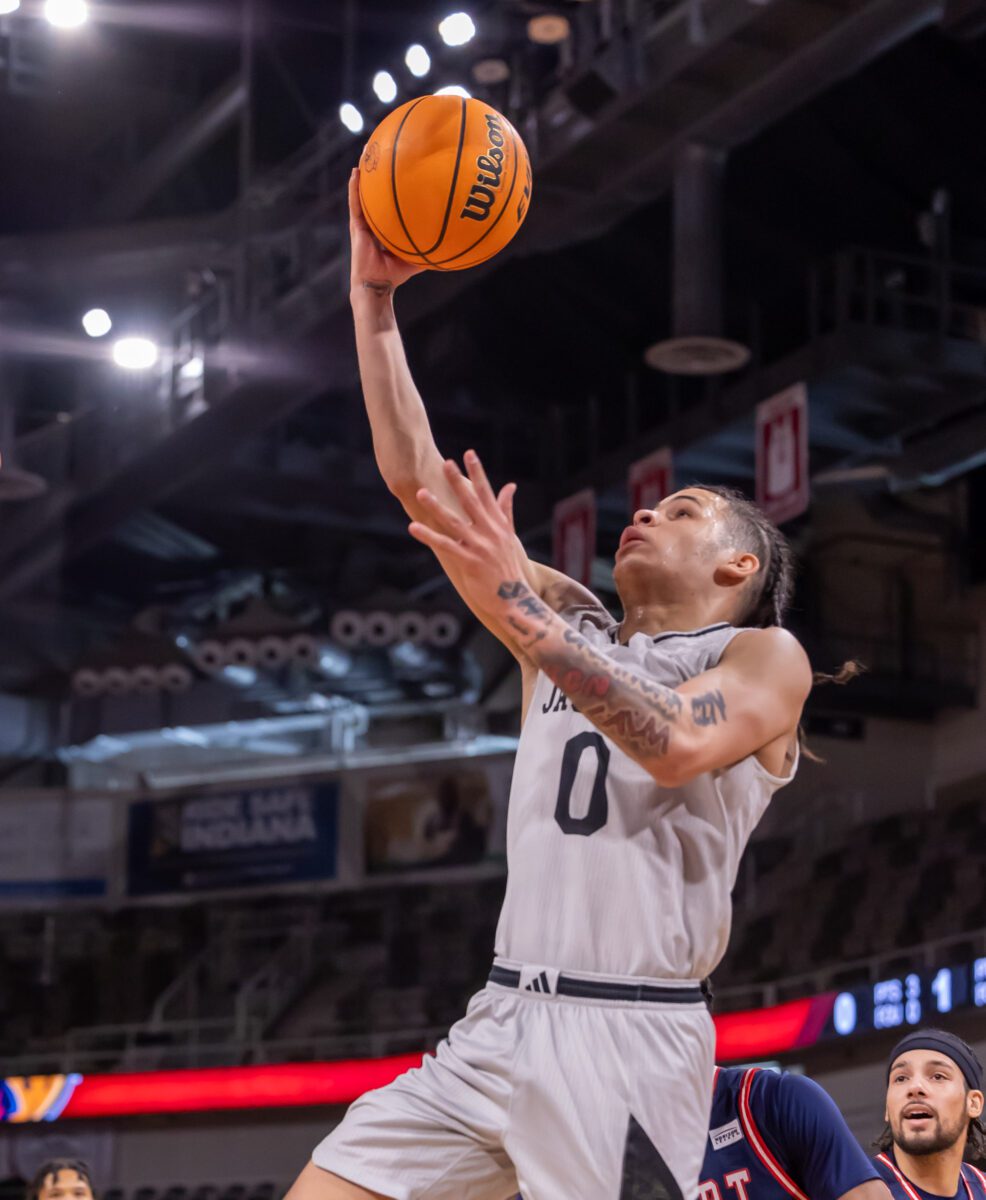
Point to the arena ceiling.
(125, 147)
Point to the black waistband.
(601, 989)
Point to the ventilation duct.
(697, 347)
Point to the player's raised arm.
(752, 699)
(403, 443)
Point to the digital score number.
(909, 1000)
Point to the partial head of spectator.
(62, 1179)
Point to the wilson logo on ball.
(481, 197)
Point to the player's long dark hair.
(773, 586)
(975, 1146)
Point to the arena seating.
(894, 883)
(394, 966)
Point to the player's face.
(65, 1185)
(928, 1104)
(682, 537)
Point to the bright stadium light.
(192, 370)
(66, 14)
(351, 117)
(454, 89)
(457, 29)
(9, 6)
(97, 322)
(385, 86)
(135, 353)
(418, 61)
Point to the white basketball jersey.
(607, 871)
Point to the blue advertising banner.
(243, 839)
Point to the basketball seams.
(506, 204)
(455, 177)
(378, 233)
(393, 182)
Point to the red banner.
(650, 480)
(783, 487)
(574, 535)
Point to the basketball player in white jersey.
(649, 751)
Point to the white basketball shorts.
(560, 1086)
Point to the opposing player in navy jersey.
(774, 1136)
(650, 748)
(933, 1119)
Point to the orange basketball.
(445, 182)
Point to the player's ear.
(974, 1103)
(737, 568)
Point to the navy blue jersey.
(972, 1184)
(773, 1136)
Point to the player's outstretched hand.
(371, 266)
(483, 543)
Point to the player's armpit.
(872, 1189)
(753, 697)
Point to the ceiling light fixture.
(351, 117)
(457, 29)
(97, 322)
(418, 61)
(135, 353)
(66, 14)
(385, 86)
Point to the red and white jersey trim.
(913, 1194)
(759, 1146)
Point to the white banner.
(783, 486)
(53, 847)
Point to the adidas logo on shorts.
(539, 984)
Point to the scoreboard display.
(914, 998)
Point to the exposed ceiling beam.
(187, 140)
(843, 38)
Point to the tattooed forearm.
(638, 713)
(709, 709)
(527, 615)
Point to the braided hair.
(771, 588)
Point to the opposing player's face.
(65, 1185)
(684, 537)
(928, 1103)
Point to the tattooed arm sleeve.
(753, 696)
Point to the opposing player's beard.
(935, 1142)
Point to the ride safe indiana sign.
(242, 839)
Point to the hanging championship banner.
(574, 535)
(783, 487)
(650, 480)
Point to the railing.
(837, 976)
(919, 295)
(271, 989)
(180, 1044)
(139, 1047)
(177, 1045)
